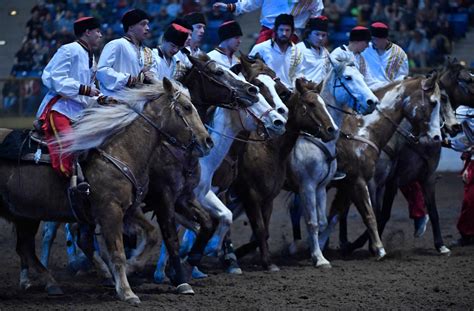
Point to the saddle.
(25, 145)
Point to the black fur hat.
(133, 17)
(229, 30)
(85, 23)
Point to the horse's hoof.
(25, 285)
(443, 250)
(133, 301)
(184, 289)
(198, 274)
(234, 270)
(325, 265)
(108, 282)
(380, 253)
(273, 268)
(54, 290)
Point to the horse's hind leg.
(50, 229)
(25, 248)
(144, 250)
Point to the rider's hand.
(446, 143)
(94, 92)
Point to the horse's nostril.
(371, 102)
(457, 127)
(252, 90)
(437, 138)
(331, 129)
(281, 111)
(209, 142)
(278, 123)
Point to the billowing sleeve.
(109, 78)
(317, 9)
(56, 74)
(245, 6)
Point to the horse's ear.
(167, 85)
(300, 85)
(429, 83)
(195, 61)
(237, 68)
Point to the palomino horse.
(312, 162)
(205, 75)
(417, 100)
(127, 135)
(404, 162)
(262, 167)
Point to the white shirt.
(287, 66)
(316, 65)
(64, 75)
(163, 68)
(119, 60)
(219, 57)
(391, 66)
(359, 61)
(301, 10)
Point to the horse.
(125, 137)
(403, 162)
(204, 75)
(417, 100)
(312, 163)
(261, 167)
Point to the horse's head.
(348, 87)
(308, 112)
(210, 84)
(458, 82)
(421, 107)
(259, 74)
(180, 121)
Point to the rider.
(300, 9)
(230, 35)
(388, 62)
(197, 21)
(359, 38)
(70, 77)
(315, 56)
(126, 61)
(173, 40)
(280, 54)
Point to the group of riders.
(74, 75)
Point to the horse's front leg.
(110, 219)
(428, 187)
(361, 198)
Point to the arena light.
(13, 12)
(3, 42)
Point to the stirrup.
(339, 175)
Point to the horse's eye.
(444, 98)
(187, 108)
(348, 78)
(219, 72)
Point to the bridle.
(355, 103)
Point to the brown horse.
(128, 135)
(415, 99)
(262, 167)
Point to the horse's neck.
(134, 146)
(377, 128)
(328, 97)
(225, 125)
(397, 142)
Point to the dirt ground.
(412, 276)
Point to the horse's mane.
(98, 123)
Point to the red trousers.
(267, 33)
(55, 125)
(416, 203)
(466, 218)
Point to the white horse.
(313, 163)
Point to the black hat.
(229, 30)
(284, 19)
(133, 17)
(85, 23)
(182, 22)
(320, 23)
(176, 34)
(359, 33)
(195, 18)
(379, 30)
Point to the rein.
(248, 140)
(355, 105)
(404, 133)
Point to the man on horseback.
(126, 61)
(230, 35)
(315, 56)
(280, 54)
(70, 77)
(197, 21)
(174, 40)
(387, 62)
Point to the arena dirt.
(412, 276)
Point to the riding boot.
(83, 186)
